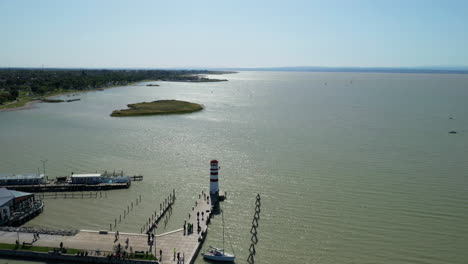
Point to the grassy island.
(161, 107)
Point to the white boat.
(218, 254)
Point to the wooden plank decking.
(187, 245)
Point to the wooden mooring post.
(155, 218)
(126, 212)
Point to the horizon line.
(405, 69)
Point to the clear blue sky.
(233, 33)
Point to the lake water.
(352, 167)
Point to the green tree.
(13, 95)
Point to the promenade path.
(90, 241)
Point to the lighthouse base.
(221, 196)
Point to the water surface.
(352, 167)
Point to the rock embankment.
(40, 230)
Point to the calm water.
(352, 167)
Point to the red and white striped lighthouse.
(214, 186)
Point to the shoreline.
(31, 104)
(28, 105)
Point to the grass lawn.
(71, 251)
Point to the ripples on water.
(349, 172)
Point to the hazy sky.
(233, 33)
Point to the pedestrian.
(174, 253)
(61, 245)
(160, 254)
(178, 257)
(184, 230)
(202, 215)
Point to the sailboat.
(218, 254)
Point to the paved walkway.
(87, 240)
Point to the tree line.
(40, 82)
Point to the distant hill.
(448, 70)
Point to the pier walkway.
(188, 245)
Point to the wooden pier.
(136, 178)
(102, 243)
(71, 195)
(67, 187)
(154, 220)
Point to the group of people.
(36, 237)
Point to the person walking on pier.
(174, 254)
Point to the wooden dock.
(136, 177)
(154, 220)
(67, 187)
(186, 244)
(71, 195)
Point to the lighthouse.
(214, 186)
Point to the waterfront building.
(21, 179)
(18, 207)
(92, 178)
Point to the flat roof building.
(17, 207)
(92, 178)
(21, 179)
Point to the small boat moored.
(218, 254)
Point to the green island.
(20, 87)
(161, 107)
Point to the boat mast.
(222, 216)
